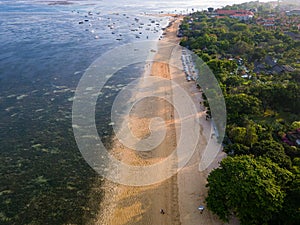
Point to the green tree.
(272, 150)
(243, 135)
(204, 56)
(233, 81)
(237, 134)
(241, 48)
(251, 136)
(252, 189)
(263, 147)
(259, 54)
(240, 27)
(236, 149)
(238, 105)
(290, 212)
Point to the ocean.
(46, 46)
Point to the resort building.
(237, 14)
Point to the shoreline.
(141, 205)
(179, 195)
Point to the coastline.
(181, 194)
(141, 205)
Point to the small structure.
(210, 9)
(270, 66)
(288, 68)
(242, 17)
(295, 12)
(201, 208)
(292, 138)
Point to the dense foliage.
(258, 70)
(251, 188)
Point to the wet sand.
(124, 205)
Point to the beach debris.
(162, 211)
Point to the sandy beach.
(181, 194)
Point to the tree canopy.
(258, 70)
(252, 189)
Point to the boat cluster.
(138, 27)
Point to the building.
(293, 12)
(242, 17)
(210, 9)
(237, 14)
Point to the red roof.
(270, 19)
